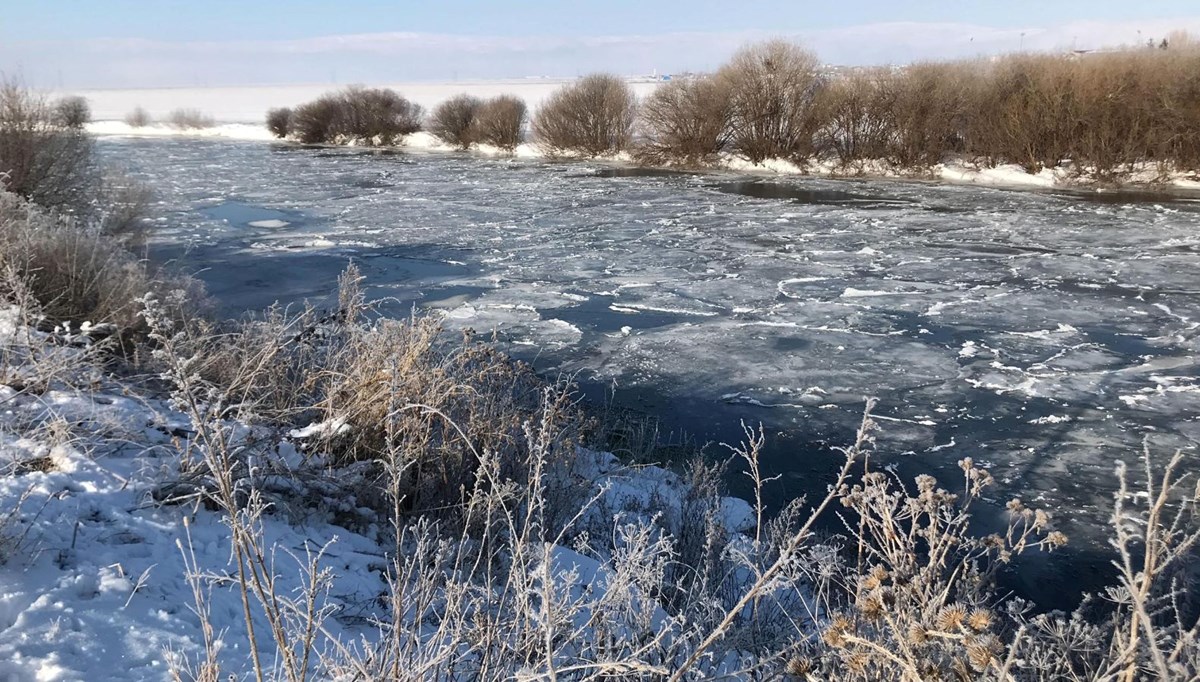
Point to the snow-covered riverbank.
(101, 549)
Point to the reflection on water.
(802, 194)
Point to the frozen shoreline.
(959, 172)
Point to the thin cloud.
(393, 56)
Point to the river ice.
(1045, 334)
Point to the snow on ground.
(92, 568)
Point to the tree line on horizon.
(1102, 114)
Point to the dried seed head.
(917, 635)
(798, 666)
(1041, 518)
(982, 652)
(834, 638)
(835, 635)
(926, 483)
(966, 463)
(871, 608)
(857, 662)
(1056, 539)
(950, 618)
(979, 620)
(875, 577)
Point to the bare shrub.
(1117, 106)
(138, 118)
(858, 127)
(317, 122)
(357, 115)
(1178, 136)
(189, 119)
(773, 90)
(927, 105)
(453, 121)
(1023, 112)
(593, 117)
(279, 122)
(378, 116)
(500, 122)
(685, 122)
(122, 208)
(42, 159)
(72, 112)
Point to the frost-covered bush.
(500, 122)
(77, 273)
(42, 158)
(453, 121)
(592, 117)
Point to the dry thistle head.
(875, 578)
(979, 620)
(835, 635)
(856, 662)
(982, 651)
(798, 666)
(917, 635)
(871, 608)
(950, 618)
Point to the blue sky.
(113, 43)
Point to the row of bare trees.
(1101, 114)
(1104, 113)
(378, 116)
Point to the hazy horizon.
(121, 44)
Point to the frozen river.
(1045, 334)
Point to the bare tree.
(138, 118)
(279, 122)
(72, 112)
(453, 121)
(190, 119)
(376, 116)
(316, 122)
(857, 124)
(593, 116)
(773, 90)
(500, 122)
(685, 122)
